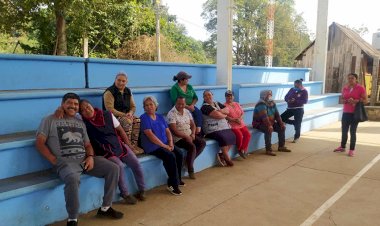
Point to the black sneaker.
(72, 223)
(110, 213)
(182, 184)
(174, 190)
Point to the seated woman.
(267, 119)
(184, 89)
(109, 140)
(236, 121)
(216, 127)
(118, 99)
(157, 140)
(183, 128)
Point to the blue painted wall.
(49, 72)
(40, 72)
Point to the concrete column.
(224, 43)
(375, 76)
(320, 47)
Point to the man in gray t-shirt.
(65, 144)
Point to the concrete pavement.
(264, 190)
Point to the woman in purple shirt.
(296, 98)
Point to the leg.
(267, 137)
(298, 122)
(227, 158)
(122, 177)
(179, 162)
(353, 127)
(197, 115)
(169, 161)
(126, 124)
(131, 160)
(200, 144)
(191, 153)
(135, 132)
(345, 127)
(239, 138)
(110, 172)
(71, 178)
(246, 138)
(286, 115)
(281, 134)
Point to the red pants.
(242, 138)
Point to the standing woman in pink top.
(236, 121)
(352, 93)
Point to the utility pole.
(158, 41)
(270, 34)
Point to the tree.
(111, 27)
(249, 31)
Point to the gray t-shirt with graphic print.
(65, 138)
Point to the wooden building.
(346, 52)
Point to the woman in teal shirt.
(183, 89)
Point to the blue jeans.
(197, 116)
(130, 160)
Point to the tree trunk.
(61, 31)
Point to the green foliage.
(249, 32)
(107, 25)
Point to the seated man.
(65, 144)
(267, 119)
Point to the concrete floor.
(264, 190)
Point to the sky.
(353, 13)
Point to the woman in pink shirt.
(352, 93)
(236, 121)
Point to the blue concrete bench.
(25, 109)
(41, 193)
(248, 93)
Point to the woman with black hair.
(296, 98)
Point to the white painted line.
(318, 213)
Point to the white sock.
(68, 220)
(104, 208)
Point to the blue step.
(248, 93)
(29, 107)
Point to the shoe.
(140, 195)
(339, 149)
(270, 152)
(295, 140)
(174, 190)
(129, 199)
(192, 175)
(182, 184)
(284, 149)
(72, 223)
(351, 153)
(229, 163)
(220, 159)
(110, 213)
(241, 153)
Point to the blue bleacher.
(32, 87)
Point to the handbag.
(360, 114)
